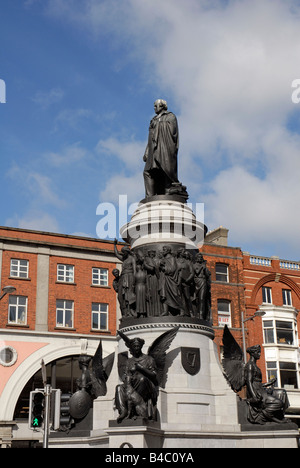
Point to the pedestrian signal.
(36, 409)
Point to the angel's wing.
(101, 369)
(158, 350)
(122, 365)
(232, 362)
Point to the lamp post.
(7, 290)
(258, 313)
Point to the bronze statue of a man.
(160, 171)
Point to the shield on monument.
(80, 404)
(190, 360)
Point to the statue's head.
(199, 258)
(151, 253)
(181, 253)
(84, 361)
(137, 343)
(167, 249)
(254, 351)
(125, 251)
(136, 346)
(116, 273)
(160, 105)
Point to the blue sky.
(81, 78)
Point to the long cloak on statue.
(162, 146)
(169, 283)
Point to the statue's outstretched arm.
(117, 254)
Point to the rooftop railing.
(267, 262)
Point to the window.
(222, 272)
(224, 313)
(100, 277)
(268, 331)
(284, 331)
(267, 295)
(272, 371)
(99, 316)
(284, 372)
(288, 375)
(8, 356)
(280, 332)
(19, 268)
(65, 273)
(287, 297)
(17, 310)
(64, 313)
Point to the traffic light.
(36, 409)
(56, 401)
(66, 420)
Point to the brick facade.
(81, 253)
(277, 275)
(231, 290)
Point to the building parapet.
(260, 261)
(267, 262)
(289, 265)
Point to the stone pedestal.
(163, 221)
(188, 405)
(196, 407)
(137, 433)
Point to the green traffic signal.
(37, 401)
(37, 422)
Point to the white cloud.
(41, 197)
(129, 152)
(38, 187)
(46, 98)
(130, 181)
(76, 118)
(35, 220)
(228, 67)
(69, 155)
(261, 211)
(132, 186)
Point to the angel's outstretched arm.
(117, 254)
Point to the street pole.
(48, 391)
(258, 313)
(244, 338)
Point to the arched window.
(62, 374)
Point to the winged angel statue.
(142, 375)
(265, 403)
(92, 383)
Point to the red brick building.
(269, 287)
(227, 284)
(272, 286)
(62, 305)
(58, 280)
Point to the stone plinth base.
(151, 436)
(196, 409)
(135, 434)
